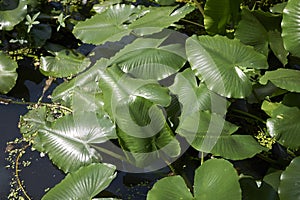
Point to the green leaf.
(170, 188)
(8, 74)
(216, 179)
(220, 62)
(10, 18)
(153, 57)
(278, 8)
(84, 183)
(276, 44)
(283, 124)
(290, 27)
(109, 25)
(194, 98)
(69, 140)
(257, 37)
(287, 79)
(216, 16)
(64, 63)
(120, 20)
(157, 18)
(289, 188)
(210, 133)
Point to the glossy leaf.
(221, 62)
(212, 134)
(64, 63)
(8, 74)
(120, 20)
(287, 79)
(68, 141)
(216, 179)
(290, 27)
(170, 188)
(10, 18)
(283, 124)
(153, 57)
(276, 44)
(84, 183)
(289, 188)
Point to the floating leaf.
(220, 62)
(10, 18)
(289, 188)
(212, 134)
(68, 141)
(84, 183)
(64, 63)
(8, 74)
(153, 57)
(283, 124)
(287, 79)
(290, 27)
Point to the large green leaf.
(64, 63)
(194, 98)
(153, 57)
(262, 35)
(290, 27)
(218, 15)
(287, 79)
(170, 188)
(84, 183)
(210, 133)
(68, 141)
(120, 20)
(157, 18)
(220, 62)
(11, 17)
(289, 188)
(216, 179)
(283, 124)
(8, 74)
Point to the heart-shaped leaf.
(290, 181)
(220, 62)
(84, 183)
(8, 74)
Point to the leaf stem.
(10, 101)
(108, 152)
(199, 7)
(17, 171)
(191, 22)
(249, 115)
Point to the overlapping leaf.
(283, 124)
(220, 62)
(84, 183)
(8, 74)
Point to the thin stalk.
(10, 101)
(191, 22)
(17, 172)
(199, 7)
(108, 152)
(202, 157)
(249, 115)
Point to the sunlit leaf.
(11, 17)
(8, 74)
(84, 183)
(221, 62)
(64, 63)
